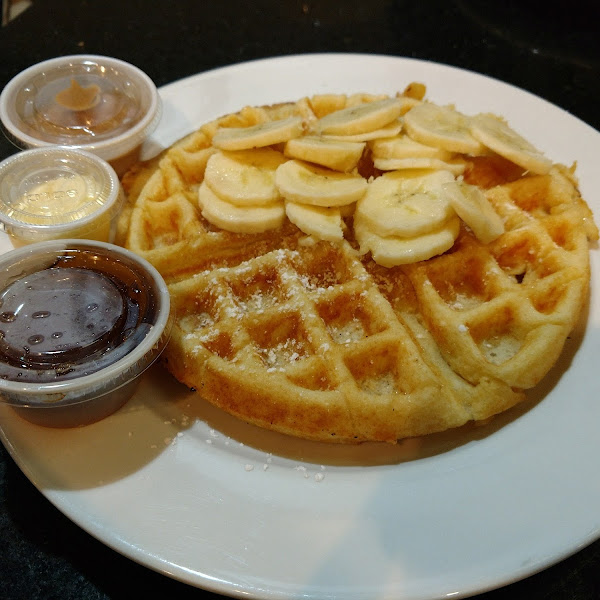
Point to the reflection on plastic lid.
(48, 193)
(80, 322)
(102, 104)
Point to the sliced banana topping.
(442, 127)
(258, 136)
(239, 219)
(360, 118)
(405, 204)
(419, 162)
(337, 155)
(245, 177)
(403, 146)
(386, 167)
(393, 251)
(321, 222)
(497, 135)
(309, 184)
(472, 206)
(389, 130)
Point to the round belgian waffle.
(314, 339)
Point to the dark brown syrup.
(73, 318)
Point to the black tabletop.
(552, 52)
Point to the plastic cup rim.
(125, 362)
(123, 142)
(59, 228)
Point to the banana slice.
(415, 91)
(393, 251)
(409, 102)
(498, 136)
(403, 146)
(321, 222)
(309, 184)
(397, 164)
(258, 136)
(442, 127)
(389, 130)
(361, 118)
(340, 156)
(405, 204)
(239, 219)
(472, 206)
(245, 177)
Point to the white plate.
(184, 489)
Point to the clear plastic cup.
(80, 322)
(58, 192)
(100, 104)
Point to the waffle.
(314, 339)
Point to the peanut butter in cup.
(100, 104)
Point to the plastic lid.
(58, 315)
(78, 319)
(101, 104)
(52, 190)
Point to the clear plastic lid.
(98, 103)
(56, 189)
(79, 321)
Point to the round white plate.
(188, 491)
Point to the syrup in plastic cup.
(80, 322)
(100, 104)
(58, 192)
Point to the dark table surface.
(551, 52)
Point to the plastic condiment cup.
(58, 192)
(100, 104)
(80, 322)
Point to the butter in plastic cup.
(56, 193)
(100, 104)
